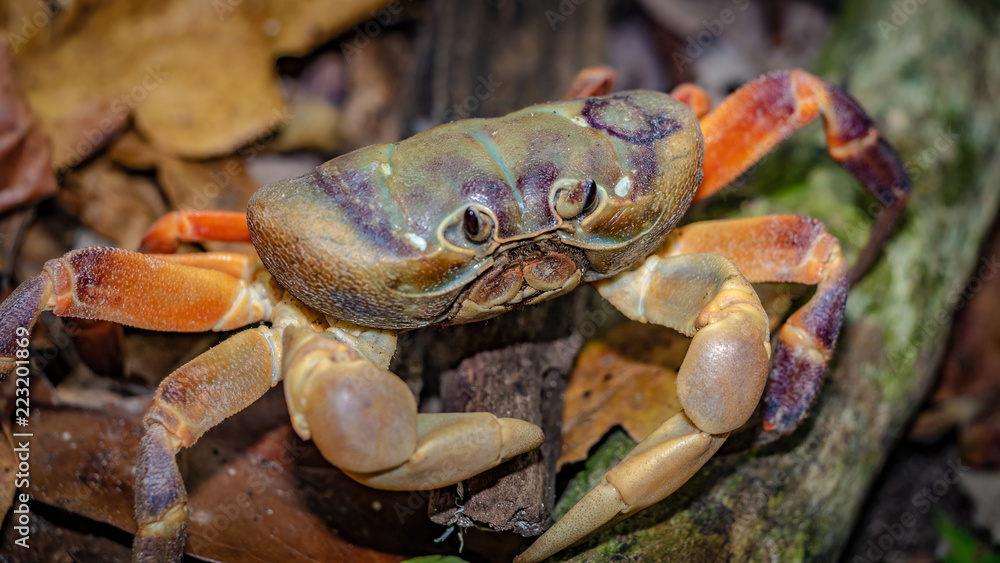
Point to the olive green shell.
(374, 237)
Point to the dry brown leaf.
(626, 378)
(294, 28)
(314, 126)
(25, 150)
(197, 77)
(224, 184)
(111, 202)
(968, 395)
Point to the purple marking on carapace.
(495, 194)
(658, 126)
(534, 187)
(352, 191)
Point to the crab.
(462, 223)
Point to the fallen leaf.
(111, 202)
(197, 78)
(626, 378)
(223, 184)
(25, 150)
(968, 394)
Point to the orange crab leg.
(755, 118)
(693, 97)
(169, 231)
(592, 81)
(138, 290)
(239, 266)
(783, 248)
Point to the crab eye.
(579, 198)
(476, 225)
(590, 201)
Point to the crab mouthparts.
(524, 275)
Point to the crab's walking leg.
(719, 384)
(169, 231)
(364, 420)
(193, 399)
(694, 97)
(783, 248)
(592, 81)
(144, 291)
(761, 114)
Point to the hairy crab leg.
(169, 231)
(761, 114)
(134, 289)
(239, 266)
(694, 97)
(600, 81)
(364, 420)
(719, 384)
(194, 398)
(783, 248)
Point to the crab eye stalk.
(579, 198)
(476, 225)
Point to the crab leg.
(364, 420)
(169, 231)
(600, 80)
(761, 114)
(719, 384)
(592, 81)
(200, 394)
(143, 291)
(694, 97)
(783, 248)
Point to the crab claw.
(657, 467)
(452, 447)
(364, 420)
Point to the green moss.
(611, 451)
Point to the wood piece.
(513, 382)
